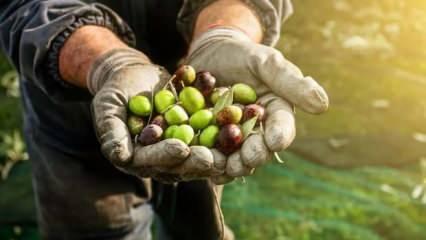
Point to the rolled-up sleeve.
(32, 33)
(272, 13)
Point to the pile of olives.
(191, 108)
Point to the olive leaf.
(248, 126)
(225, 100)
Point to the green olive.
(201, 119)
(209, 135)
(170, 131)
(244, 94)
(185, 133)
(176, 115)
(135, 124)
(163, 99)
(217, 93)
(140, 106)
(192, 99)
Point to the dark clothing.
(58, 111)
(79, 194)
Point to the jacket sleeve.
(32, 33)
(272, 14)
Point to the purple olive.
(230, 139)
(205, 82)
(160, 121)
(253, 110)
(150, 134)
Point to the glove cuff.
(270, 13)
(216, 34)
(109, 63)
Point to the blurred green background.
(357, 172)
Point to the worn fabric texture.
(230, 56)
(79, 194)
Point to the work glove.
(232, 57)
(113, 79)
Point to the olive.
(253, 110)
(230, 138)
(244, 94)
(176, 115)
(163, 99)
(185, 74)
(170, 131)
(185, 133)
(229, 114)
(135, 124)
(205, 82)
(150, 134)
(209, 135)
(201, 119)
(192, 100)
(160, 121)
(217, 93)
(140, 106)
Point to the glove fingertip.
(315, 99)
(118, 153)
(235, 166)
(278, 139)
(203, 156)
(176, 148)
(254, 151)
(219, 159)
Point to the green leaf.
(248, 126)
(225, 100)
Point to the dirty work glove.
(232, 57)
(114, 79)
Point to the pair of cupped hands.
(232, 58)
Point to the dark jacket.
(31, 34)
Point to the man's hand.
(114, 79)
(229, 50)
(114, 73)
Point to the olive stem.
(170, 84)
(262, 131)
(152, 101)
(169, 81)
(278, 158)
(174, 91)
(172, 87)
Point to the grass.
(302, 200)
(361, 190)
